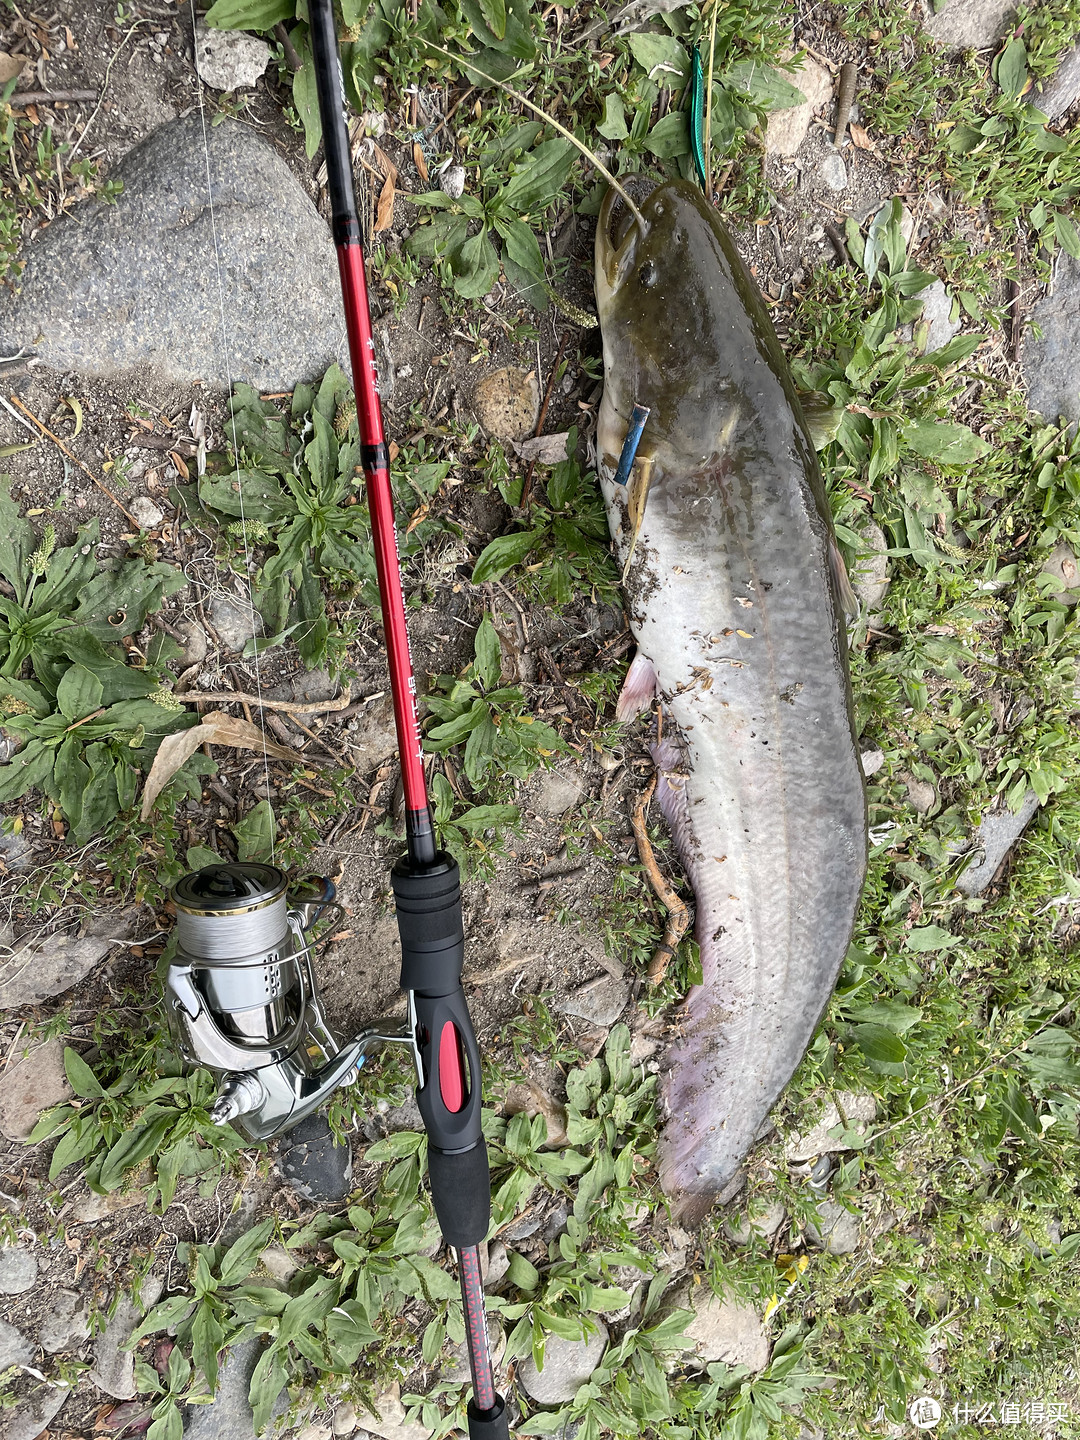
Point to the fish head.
(673, 301)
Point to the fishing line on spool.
(232, 419)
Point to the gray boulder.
(1051, 364)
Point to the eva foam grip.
(461, 1194)
(489, 1424)
(428, 903)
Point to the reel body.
(242, 999)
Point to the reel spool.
(242, 998)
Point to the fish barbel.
(733, 588)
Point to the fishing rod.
(427, 887)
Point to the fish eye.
(647, 273)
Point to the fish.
(735, 593)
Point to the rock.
(970, 24)
(455, 1367)
(235, 622)
(872, 761)
(389, 1119)
(920, 793)
(936, 310)
(556, 791)
(601, 1002)
(308, 686)
(195, 643)
(507, 403)
(534, 1101)
(568, 1364)
(33, 1417)
(452, 181)
(278, 1263)
(786, 129)
(832, 172)
(1060, 93)
(91, 1207)
(39, 967)
(388, 1419)
(371, 735)
(110, 287)
(858, 1108)
(146, 512)
(837, 1230)
(726, 1330)
(344, 1422)
(229, 1416)
(544, 449)
(229, 59)
(18, 1270)
(113, 1369)
(65, 1323)
(871, 576)
(1050, 364)
(555, 1223)
(16, 852)
(524, 1227)
(314, 1430)
(762, 1221)
(314, 1164)
(15, 1348)
(1062, 565)
(33, 1084)
(496, 1265)
(998, 833)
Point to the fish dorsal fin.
(638, 689)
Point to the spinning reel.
(242, 998)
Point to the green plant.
(88, 721)
(491, 719)
(465, 831)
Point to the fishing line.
(232, 421)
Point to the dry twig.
(678, 915)
(287, 707)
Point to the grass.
(957, 1015)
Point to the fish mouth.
(618, 234)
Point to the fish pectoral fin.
(638, 689)
(848, 598)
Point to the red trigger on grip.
(451, 1069)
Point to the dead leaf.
(179, 463)
(216, 728)
(859, 137)
(547, 449)
(384, 216)
(11, 66)
(420, 162)
(386, 165)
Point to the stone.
(371, 735)
(786, 129)
(92, 1207)
(388, 1420)
(556, 1220)
(452, 181)
(1051, 364)
(837, 1230)
(389, 1119)
(936, 313)
(15, 1348)
(556, 791)
(762, 1221)
(344, 1422)
(194, 642)
(998, 833)
(534, 1101)
(832, 172)
(871, 761)
(308, 686)
(39, 967)
(315, 1430)
(970, 24)
(568, 1364)
(278, 1263)
(920, 793)
(66, 1322)
(1062, 565)
(1059, 94)
(229, 1416)
(726, 1330)
(30, 1086)
(18, 1270)
(112, 287)
(314, 1164)
(113, 1368)
(507, 403)
(229, 59)
(235, 622)
(601, 1002)
(870, 579)
(455, 1367)
(496, 1264)
(33, 1417)
(146, 512)
(858, 1108)
(16, 852)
